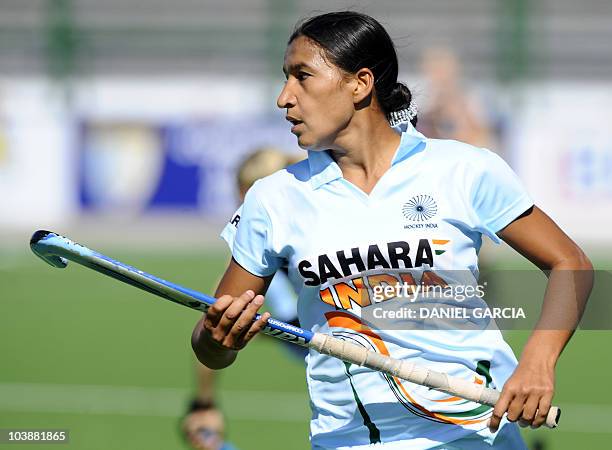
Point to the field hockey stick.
(57, 250)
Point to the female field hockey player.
(375, 205)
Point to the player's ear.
(363, 86)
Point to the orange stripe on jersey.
(326, 296)
(449, 399)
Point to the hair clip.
(403, 115)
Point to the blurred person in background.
(204, 424)
(450, 112)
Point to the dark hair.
(352, 41)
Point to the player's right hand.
(229, 321)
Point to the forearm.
(569, 285)
(205, 378)
(544, 347)
(209, 352)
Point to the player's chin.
(305, 142)
(308, 141)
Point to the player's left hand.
(526, 396)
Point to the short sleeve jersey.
(426, 214)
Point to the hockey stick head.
(56, 250)
(38, 244)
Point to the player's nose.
(286, 98)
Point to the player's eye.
(301, 76)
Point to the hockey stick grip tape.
(355, 354)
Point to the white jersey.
(424, 217)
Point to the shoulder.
(455, 155)
(456, 150)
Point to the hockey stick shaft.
(56, 250)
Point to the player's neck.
(364, 153)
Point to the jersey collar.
(323, 168)
(411, 142)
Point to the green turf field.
(113, 365)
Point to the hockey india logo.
(420, 208)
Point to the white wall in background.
(563, 151)
(174, 97)
(36, 168)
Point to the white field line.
(145, 401)
(239, 405)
